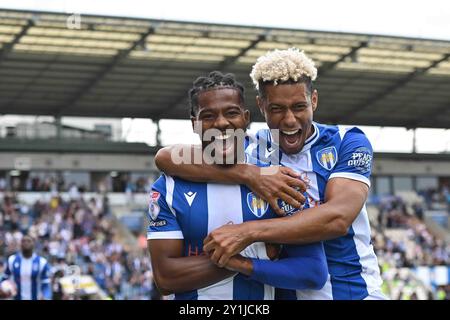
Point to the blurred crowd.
(418, 248)
(56, 183)
(81, 233)
(403, 242)
(434, 196)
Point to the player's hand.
(273, 183)
(226, 242)
(240, 264)
(273, 250)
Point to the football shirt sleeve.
(163, 223)
(45, 273)
(303, 267)
(354, 157)
(45, 282)
(7, 272)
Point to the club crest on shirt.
(327, 157)
(153, 208)
(256, 205)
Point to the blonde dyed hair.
(283, 65)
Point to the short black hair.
(213, 80)
(303, 79)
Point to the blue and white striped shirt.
(31, 276)
(332, 152)
(181, 209)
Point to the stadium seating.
(407, 250)
(82, 233)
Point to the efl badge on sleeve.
(256, 205)
(327, 157)
(153, 208)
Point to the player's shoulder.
(160, 182)
(12, 258)
(354, 136)
(170, 184)
(351, 131)
(163, 183)
(42, 260)
(339, 134)
(324, 135)
(326, 131)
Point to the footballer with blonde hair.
(335, 164)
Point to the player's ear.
(196, 126)
(260, 104)
(247, 117)
(194, 123)
(314, 99)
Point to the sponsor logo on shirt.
(159, 223)
(286, 207)
(190, 196)
(361, 160)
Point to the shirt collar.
(311, 140)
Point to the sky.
(418, 19)
(421, 19)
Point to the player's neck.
(27, 255)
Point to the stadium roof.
(128, 67)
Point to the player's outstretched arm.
(270, 183)
(174, 273)
(344, 199)
(304, 267)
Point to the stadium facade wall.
(118, 199)
(77, 161)
(409, 167)
(142, 162)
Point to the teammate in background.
(29, 272)
(182, 213)
(335, 162)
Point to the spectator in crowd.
(82, 233)
(3, 184)
(417, 247)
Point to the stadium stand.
(81, 233)
(414, 261)
(128, 67)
